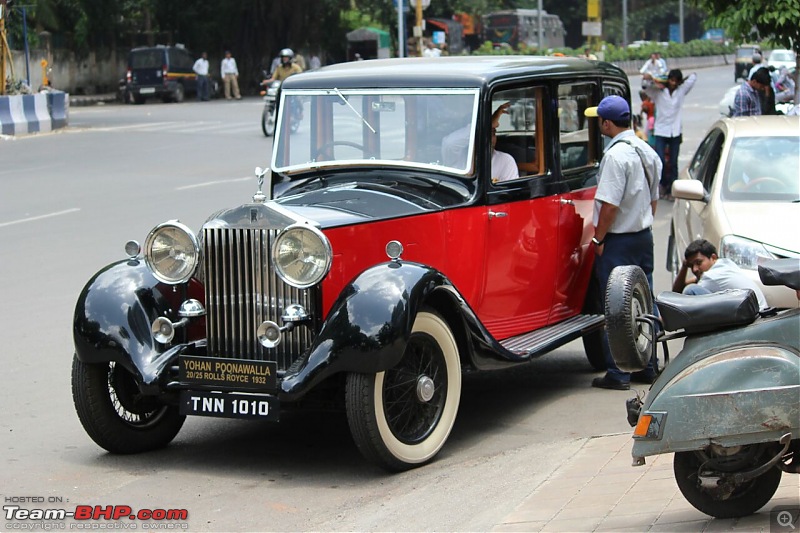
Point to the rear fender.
(742, 394)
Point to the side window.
(521, 130)
(705, 160)
(575, 130)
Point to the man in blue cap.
(624, 208)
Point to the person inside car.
(504, 167)
(712, 273)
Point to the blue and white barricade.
(32, 113)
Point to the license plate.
(147, 90)
(239, 374)
(230, 405)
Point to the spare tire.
(628, 297)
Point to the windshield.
(763, 168)
(419, 128)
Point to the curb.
(93, 99)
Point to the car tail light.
(164, 73)
(129, 76)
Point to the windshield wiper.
(339, 93)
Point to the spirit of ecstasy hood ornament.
(260, 197)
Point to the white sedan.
(741, 192)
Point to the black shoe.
(607, 383)
(643, 376)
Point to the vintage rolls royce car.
(380, 258)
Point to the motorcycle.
(270, 105)
(269, 114)
(727, 406)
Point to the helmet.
(287, 52)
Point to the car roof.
(763, 126)
(455, 71)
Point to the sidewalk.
(599, 490)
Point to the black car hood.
(353, 202)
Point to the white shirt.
(622, 182)
(201, 67)
(668, 107)
(656, 68)
(725, 274)
(503, 167)
(228, 66)
(431, 52)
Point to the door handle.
(566, 201)
(497, 214)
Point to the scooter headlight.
(171, 251)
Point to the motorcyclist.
(286, 68)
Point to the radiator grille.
(242, 291)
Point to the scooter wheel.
(627, 299)
(722, 501)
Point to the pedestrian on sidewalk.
(624, 210)
(230, 76)
(201, 69)
(668, 99)
(749, 98)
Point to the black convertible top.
(456, 71)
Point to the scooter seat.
(707, 312)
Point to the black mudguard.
(113, 317)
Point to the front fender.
(369, 324)
(741, 394)
(113, 316)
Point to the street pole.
(624, 22)
(3, 50)
(27, 51)
(401, 43)
(680, 17)
(541, 30)
(418, 32)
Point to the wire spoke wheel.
(401, 418)
(114, 412)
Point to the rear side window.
(180, 59)
(574, 128)
(147, 59)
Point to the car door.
(522, 217)
(689, 217)
(578, 156)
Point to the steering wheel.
(761, 181)
(325, 147)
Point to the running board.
(544, 340)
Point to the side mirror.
(689, 190)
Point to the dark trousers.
(623, 249)
(202, 87)
(669, 170)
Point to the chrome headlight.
(744, 252)
(301, 255)
(171, 251)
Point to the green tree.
(776, 20)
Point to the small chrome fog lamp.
(394, 250)
(132, 249)
(191, 308)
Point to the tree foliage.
(776, 20)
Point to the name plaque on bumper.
(229, 373)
